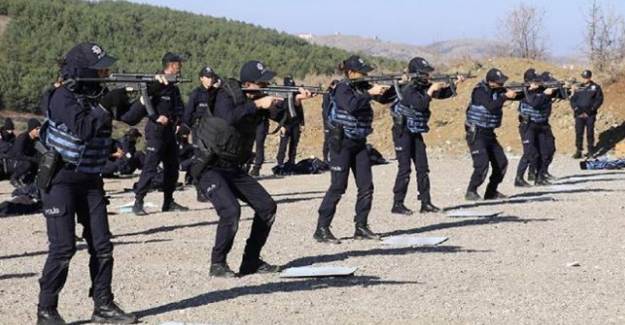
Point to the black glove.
(116, 102)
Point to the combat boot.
(49, 316)
(324, 235)
(363, 232)
(400, 208)
(427, 207)
(110, 313)
(137, 208)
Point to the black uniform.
(200, 100)
(585, 103)
(262, 129)
(349, 152)
(7, 139)
(23, 160)
(291, 137)
(408, 140)
(484, 115)
(325, 108)
(161, 145)
(76, 125)
(224, 183)
(129, 162)
(186, 152)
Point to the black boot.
(251, 266)
(577, 154)
(221, 270)
(541, 180)
(400, 208)
(255, 171)
(172, 206)
(324, 235)
(472, 196)
(493, 194)
(363, 232)
(110, 313)
(49, 316)
(520, 182)
(137, 208)
(427, 207)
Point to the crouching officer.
(483, 116)
(225, 138)
(351, 116)
(160, 136)
(23, 156)
(585, 102)
(411, 113)
(78, 136)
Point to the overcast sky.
(413, 22)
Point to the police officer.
(79, 121)
(202, 98)
(585, 102)
(23, 157)
(7, 136)
(484, 115)
(534, 112)
(290, 133)
(325, 113)
(160, 136)
(351, 116)
(126, 157)
(411, 113)
(549, 145)
(221, 177)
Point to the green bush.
(40, 32)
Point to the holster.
(49, 164)
(336, 137)
(199, 163)
(471, 133)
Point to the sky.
(411, 22)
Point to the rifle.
(398, 79)
(285, 92)
(561, 86)
(135, 83)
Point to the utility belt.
(473, 130)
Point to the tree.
(523, 29)
(605, 36)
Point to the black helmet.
(420, 65)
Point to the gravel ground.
(510, 269)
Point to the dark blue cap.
(356, 63)
(88, 56)
(496, 76)
(419, 65)
(255, 71)
(288, 81)
(171, 57)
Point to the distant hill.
(438, 53)
(40, 31)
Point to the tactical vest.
(480, 116)
(218, 140)
(87, 157)
(354, 127)
(533, 114)
(416, 121)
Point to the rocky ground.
(511, 269)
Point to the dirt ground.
(510, 269)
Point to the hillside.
(439, 52)
(40, 31)
(447, 122)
